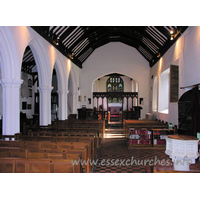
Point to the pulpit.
(84, 113)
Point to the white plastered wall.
(185, 54)
(119, 58)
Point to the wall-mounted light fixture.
(173, 33)
(56, 42)
(71, 55)
(158, 54)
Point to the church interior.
(100, 99)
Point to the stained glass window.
(114, 84)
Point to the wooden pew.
(75, 129)
(90, 141)
(50, 145)
(7, 137)
(69, 132)
(26, 165)
(76, 125)
(137, 124)
(146, 140)
(42, 136)
(72, 155)
(90, 122)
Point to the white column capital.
(45, 104)
(45, 88)
(11, 82)
(62, 92)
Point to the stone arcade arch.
(61, 89)
(43, 72)
(73, 90)
(45, 55)
(29, 74)
(70, 95)
(44, 76)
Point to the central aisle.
(115, 157)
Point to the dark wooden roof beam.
(51, 31)
(153, 35)
(86, 55)
(67, 32)
(80, 48)
(84, 50)
(71, 36)
(86, 34)
(76, 37)
(26, 64)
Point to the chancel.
(99, 93)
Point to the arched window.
(163, 103)
(155, 94)
(114, 84)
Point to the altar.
(114, 111)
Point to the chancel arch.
(115, 92)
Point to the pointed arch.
(61, 76)
(44, 70)
(72, 90)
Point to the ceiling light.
(171, 31)
(172, 37)
(57, 41)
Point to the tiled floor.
(115, 157)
